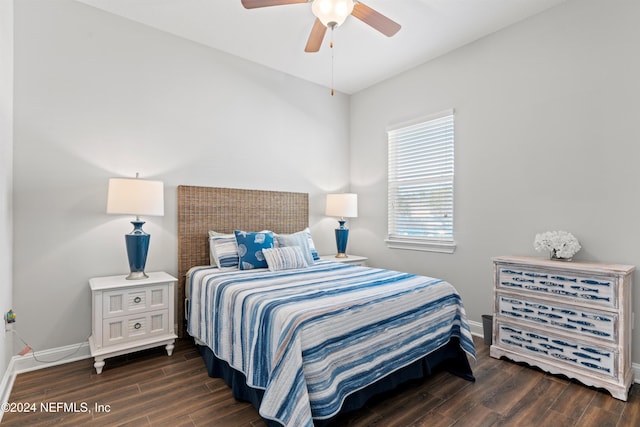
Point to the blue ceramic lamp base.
(137, 248)
(342, 235)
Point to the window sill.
(426, 245)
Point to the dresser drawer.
(117, 330)
(573, 319)
(135, 300)
(544, 344)
(592, 289)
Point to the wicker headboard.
(201, 209)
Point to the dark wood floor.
(151, 389)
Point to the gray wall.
(547, 138)
(546, 130)
(98, 96)
(6, 161)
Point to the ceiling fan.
(331, 14)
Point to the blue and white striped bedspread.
(310, 337)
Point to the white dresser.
(570, 318)
(131, 315)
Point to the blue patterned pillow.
(223, 250)
(250, 246)
(285, 258)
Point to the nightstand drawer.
(126, 301)
(134, 327)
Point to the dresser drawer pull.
(137, 326)
(137, 300)
(566, 279)
(593, 297)
(594, 366)
(595, 332)
(596, 317)
(595, 282)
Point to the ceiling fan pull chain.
(331, 46)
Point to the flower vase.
(554, 256)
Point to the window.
(420, 184)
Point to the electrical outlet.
(10, 317)
(9, 320)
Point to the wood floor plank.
(595, 416)
(505, 395)
(535, 402)
(456, 408)
(188, 402)
(573, 401)
(551, 418)
(602, 400)
(476, 416)
(631, 413)
(429, 420)
(151, 389)
(403, 411)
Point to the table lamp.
(343, 205)
(136, 197)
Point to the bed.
(307, 340)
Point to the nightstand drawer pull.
(137, 300)
(137, 326)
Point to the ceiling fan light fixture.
(332, 12)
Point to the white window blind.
(420, 183)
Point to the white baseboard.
(6, 385)
(51, 357)
(476, 328)
(45, 359)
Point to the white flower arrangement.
(559, 244)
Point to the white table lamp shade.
(343, 205)
(135, 197)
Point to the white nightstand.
(351, 259)
(131, 315)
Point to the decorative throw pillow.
(285, 258)
(250, 246)
(306, 233)
(297, 239)
(312, 246)
(223, 250)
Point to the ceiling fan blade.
(252, 4)
(316, 37)
(375, 19)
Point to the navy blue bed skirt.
(449, 357)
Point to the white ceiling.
(276, 36)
